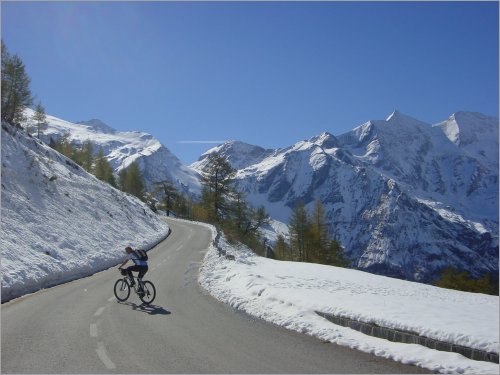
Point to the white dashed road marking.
(93, 330)
(99, 311)
(103, 356)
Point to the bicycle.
(122, 289)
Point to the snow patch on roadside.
(289, 293)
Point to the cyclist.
(140, 266)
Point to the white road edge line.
(103, 356)
(111, 299)
(93, 330)
(99, 311)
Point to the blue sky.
(266, 73)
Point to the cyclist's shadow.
(149, 309)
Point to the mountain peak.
(466, 118)
(400, 117)
(98, 126)
(472, 129)
(239, 154)
(393, 115)
(325, 140)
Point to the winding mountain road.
(79, 327)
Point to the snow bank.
(60, 223)
(288, 294)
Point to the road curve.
(79, 327)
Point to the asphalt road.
(79, 327)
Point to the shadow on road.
(149, 309)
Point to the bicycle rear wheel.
(149, 292)
(122, 290)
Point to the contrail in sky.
(202, 142)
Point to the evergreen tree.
(16, 94)
(281, 248)
(183, 207)
(451, 278)
(40, 118)
(336, 256)
(87, 155)
(170, 194)
(240, 213)
(200, 213)
(131, 180)
(206, 206)
(217, 179)
(259, 218)
(102, 169)
(63, 146)
(310, 241)
(299, 228)
(318, 234)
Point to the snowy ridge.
(475, 134)
(156, 162)
(239, 154)
(98, 126)
(60, 222)
(404, 199)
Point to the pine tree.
(318, 234)
(131, 180)
(87, 155)
(451, 278)
(170, 194)
(299, 227)
(240, 213)
(217, 179)
(336, 256)
(183, 207)
(281, 248)
(102, 169)
(16, 94)
(206, 205)
(63, 146)
(262, 217)
(40, 118)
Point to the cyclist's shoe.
(132, 283)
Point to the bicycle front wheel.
(149, 292)
(122, 290)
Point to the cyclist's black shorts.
(141, 269)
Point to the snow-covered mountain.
(59, 222)
(404, 197)
(239, 154)
(156, 162)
